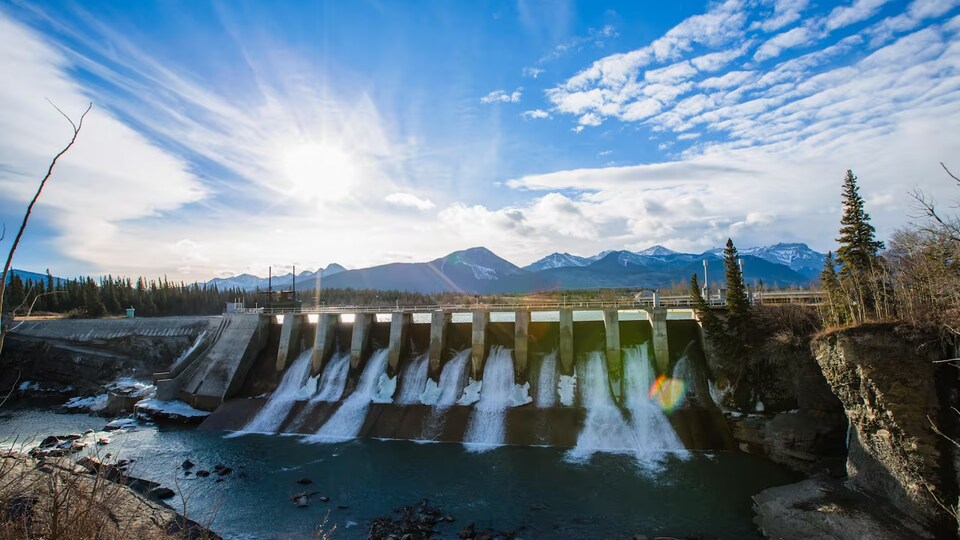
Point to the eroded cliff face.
(887, 382)
(777, 402)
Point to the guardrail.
(680, 301)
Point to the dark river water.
(533, 490)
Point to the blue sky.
(229, 136)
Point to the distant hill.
(480, 271)
(32, 276)
(248, 282)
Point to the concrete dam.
(590, 379)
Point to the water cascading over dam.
(571, 382)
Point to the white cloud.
(409, 200)
(672, 74)
(536, 114)
(859, 10)
(111, 176)
(501, 96)
(795, 37)
(784, 13)
(590, 119)
(727, 80)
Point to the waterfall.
(334, 379)
(486, 427)
(605, 429)
(443, 395)
(273, 413)
(547, 382)
(655, 435)
(413, 380)
(346, 423)
(452, 379)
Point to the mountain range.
(480, 271)
(305, 279)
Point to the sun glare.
(320, 171)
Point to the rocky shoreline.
(44, 492)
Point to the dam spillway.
(479, 377)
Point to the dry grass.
(57, 498)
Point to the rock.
(87, 432)
(448, 518)
(219, 466)
(224, 471)
(50, 441)
(301, 501)
(825, 508)
(886, 381)
(343, 506)
(72, 436)
(203, 474)
(187, 465)
(324, 498)
(640, 537)
(103, 441)
(162, 493)
(304, 481)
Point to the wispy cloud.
(410, 200)
(502, 96)
(536, 114)
(532, 72)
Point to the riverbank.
(55, 497)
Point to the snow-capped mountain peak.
(557, 260)
(656, 251)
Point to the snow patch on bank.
(170, 409)
(92, 403)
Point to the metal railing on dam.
(678, 301)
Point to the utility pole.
(706, 282)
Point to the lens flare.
(667, 393)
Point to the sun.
(320, 171)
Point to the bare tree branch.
(950, 174)
(16, 241)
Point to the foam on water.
(345, 424)
(273, 413)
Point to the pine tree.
(859, 248)
(707, 317)
(91, 300)
(859, 255)
(836, 300)
(738, 305)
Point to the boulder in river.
(162, 493)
